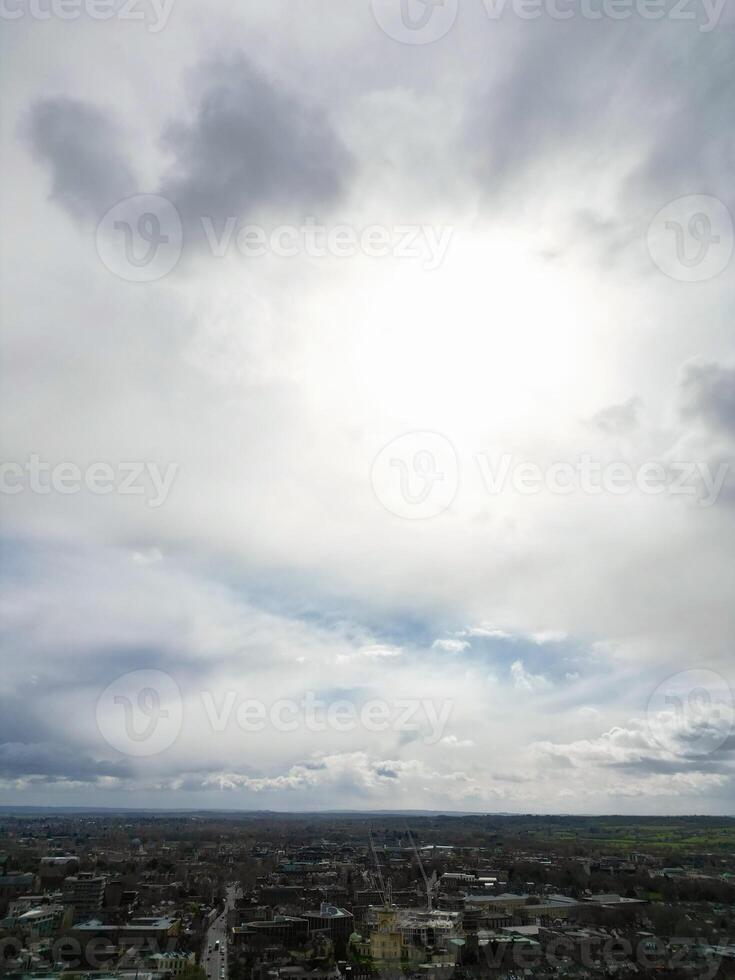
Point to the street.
(214, 954)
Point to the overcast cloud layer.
(558, 646)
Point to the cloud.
(52, 762)
(707, 395)
(549, 636)
(618, 419)
(532, 126)
(273, 383)
(544, 113)
(355, 774)
(488, 631)
(457, 743)
(692, 115)
(511, 777)
(524, 680)
(450, 645)
(250, 143)
(82, 148)
(587, 711)
(379, 651)
(678, 786)
(668, 745)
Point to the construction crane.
(385, 891)
(431, 884)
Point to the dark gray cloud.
(249, 144)
(82, 149)
(641, 113)
(707, 406)
(553, 100)
(18, 721)
(691, 148)
(54, 761)
(708, 394)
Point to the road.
(214, 956)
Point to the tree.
(193, 972)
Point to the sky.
(368, 389)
